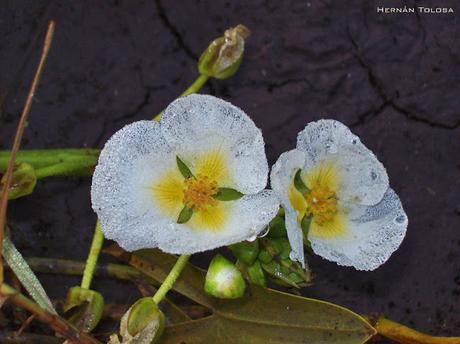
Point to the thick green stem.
(193, 88)
(171, 278)
(405, 335)
(65, 169)
(40, 158)
(93, 256)
(58, 324)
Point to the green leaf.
(299, 184)
(185, 215)
(183, 168)
(25, 275)
(228, 194)
(261, 316)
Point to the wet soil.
(393, 78)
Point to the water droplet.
(263, 233)
(373, 175)
(293, 256)
(252, 238)
(400, 219)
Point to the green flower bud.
(246, 251)
(223, 279)
(142, 315)
(23, 181)
(223, 56)
(84, 308)
(256, 274)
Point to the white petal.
(248, 217)
(373, 234)
(129, 161)
(281, 178)
(362, 178)
(202, 121)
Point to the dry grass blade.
(19, 133)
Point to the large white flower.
(193, 182)
(335, 191)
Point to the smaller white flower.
(336, 190)
(193, 182)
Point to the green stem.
(65, 169)
(193, 88)
(95, 250)
(171, 278)
(40, 158)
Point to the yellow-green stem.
(96, 244)
(171, 278)
(193, 88)
(405, 335)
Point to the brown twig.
(18, 137)
(54, 321)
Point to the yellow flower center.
(199, 192)
(321, 204)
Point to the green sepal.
(277, 227)
(183, 168)
(84, 308)
(274, 269)
(223, 279)
(227, 194)
(185, 215)
(23, 181)
(299, 184)
(305, 225)
(246, 251)
(141, 314)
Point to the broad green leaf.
(299, 184)
(183, 168)
(185, 215)
(261, 316)
(228, 194)
(26, 276)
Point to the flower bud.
(256, 274)
(277, 227)
(143, 323)
(223, 279)
(223, 56)
(84, 308)
(23, 181)
(246, 251)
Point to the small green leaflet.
(227, 194)
(183, 168)
(299, 184)
(185, 215)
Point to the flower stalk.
(91, 262)
(171, 278)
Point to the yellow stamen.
(321, 204)
(199, 192)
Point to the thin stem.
(171, 278)
(406, 335)
(193, 88)
(95, 250)
(58, 324)
(18, 137)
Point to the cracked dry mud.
(393, 78)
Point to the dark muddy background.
(393, 78)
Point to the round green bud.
(145, 316)
(223, 279)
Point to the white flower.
(192, 182)
(334, 188)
